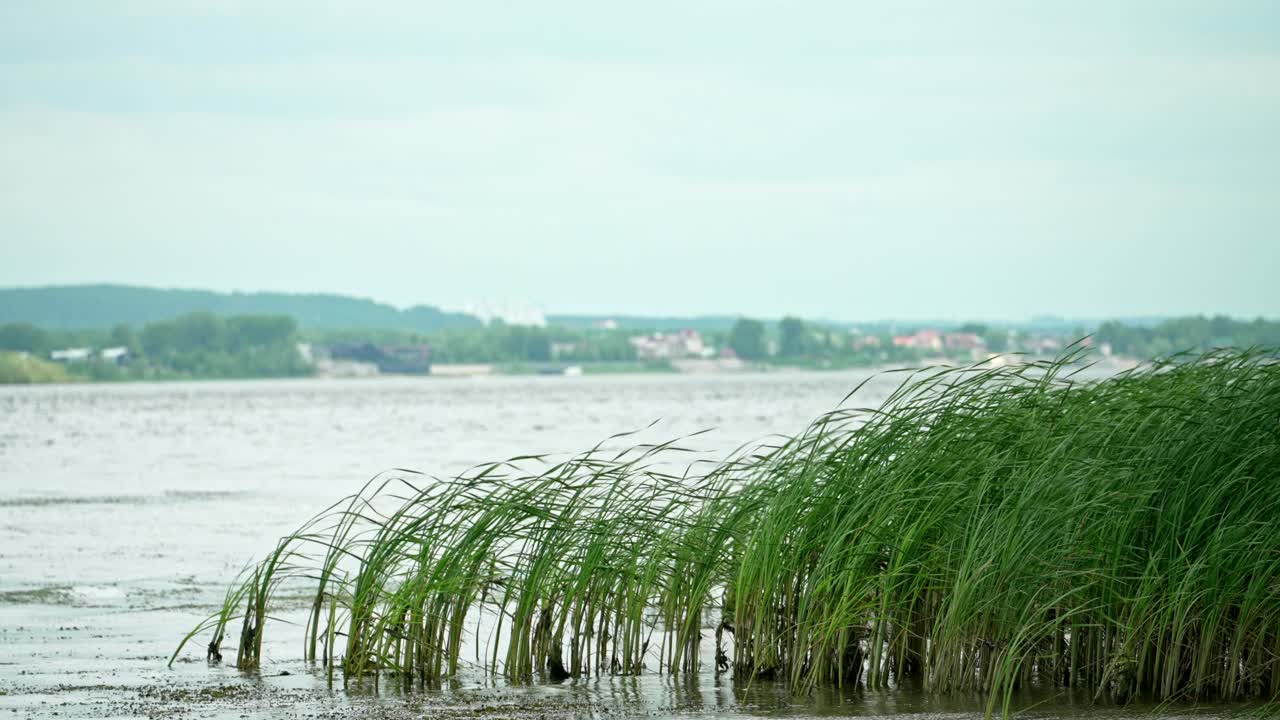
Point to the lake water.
(126, 509)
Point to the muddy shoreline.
(101, 661)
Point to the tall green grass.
(983, 530)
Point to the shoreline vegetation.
(985, 530)
(203, 345)
(25, 369)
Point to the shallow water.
(126, 509)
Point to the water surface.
(126, 509)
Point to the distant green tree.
(746, 337)
(1221, 326)
(24, 338)
(206, 345)
(793, 337)
(1195, 333)
(158, 338)
(610, 346)
(200, 331)
(517, 343)
(997, 339)
(245, 331)
(537, 346)
(123, 336)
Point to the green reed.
(983, 530)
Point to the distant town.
(119, 333)
(203, 345)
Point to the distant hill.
(87, 307)
(77, 307)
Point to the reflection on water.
(126, 509)
(719, 695)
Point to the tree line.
(206, 345)
(195, 345)
(1194, 333)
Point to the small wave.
(204, 494)
(166, 496)
(66, 595)
(39, 596)
(42, 501)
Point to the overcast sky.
(833, 159)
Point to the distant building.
(115, 355)
(395, 359)
(921, 340)
(1043, 344)
(560, 349)
(668, 346)
(964, 341)
(328, 367)
(71, 354)
(510, 313)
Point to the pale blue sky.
(843, 159)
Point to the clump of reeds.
(984, 529)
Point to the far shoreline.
(1115, 363)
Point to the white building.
(71, 354)
(114, 354)
(511, 313)
(667, 346)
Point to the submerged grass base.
(984, 530)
